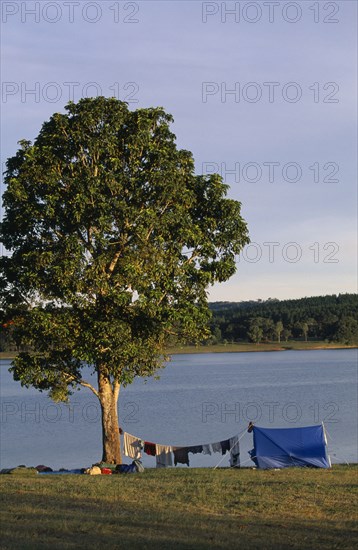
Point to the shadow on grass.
(87, 514)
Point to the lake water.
(198, 399)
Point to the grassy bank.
(7, 354)
(236, 348)
(248, 347)
(182, 509)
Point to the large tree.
(113, 241)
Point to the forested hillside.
(326, 318)
(332, 318)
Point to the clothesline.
(241, 434)
(134, 445)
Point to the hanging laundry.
(149, 448)
(181, 455)
(234, 452)
(132, 445)
(195, 449)
(216, 447)
(225, 446)
(207, 449)
(163, 456)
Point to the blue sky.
(285, 142)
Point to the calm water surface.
(198, 399)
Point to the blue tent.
(284, 447)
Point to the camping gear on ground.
(139, 466)
(284, 447)
(105, 465)
(93, 471)
(133, 468)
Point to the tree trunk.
(108, 396)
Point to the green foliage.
(255, 332)
(114, 241)
(332, 318)
(346, 330)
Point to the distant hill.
(331, 318)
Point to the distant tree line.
(328, 318)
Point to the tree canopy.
(113, 241)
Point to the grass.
(236, 348)
(183, 509)
(248, 347)
(8, 354)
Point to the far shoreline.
(257, 348)
(236, 348)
